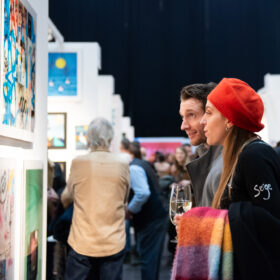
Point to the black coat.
(256, 242)
(256, 178)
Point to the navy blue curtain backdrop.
(155, 47)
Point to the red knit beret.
(239, 103)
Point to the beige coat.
(99, 185)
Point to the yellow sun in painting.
(60, 63)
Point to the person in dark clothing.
(255, 237)
(57, 252)
(59, 182)
(251, 174)
(147, 214)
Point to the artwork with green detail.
(33, 224)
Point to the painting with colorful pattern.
(57, 130)
(81, 137)
(17, 101)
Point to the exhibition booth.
(50, 93)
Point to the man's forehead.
(191, 105)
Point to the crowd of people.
(233, 174)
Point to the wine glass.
(180, 202)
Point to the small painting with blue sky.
(62, 74)
(56, 130)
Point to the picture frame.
(18, 70)
(33, 220)
(64, 72)
(9, 218)
(57, 130)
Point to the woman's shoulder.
(257, 149)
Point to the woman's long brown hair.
(232, 147)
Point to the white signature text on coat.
(261, 188)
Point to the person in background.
(162, 167)
(51, 211)
(99, 186)
(131, 254)
(188, 148)
(178, 169)
(124, 149)
(143, 153)
(60, 233)
(147, 213)
(170, 158)
(205, 170)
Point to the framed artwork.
(81, 137)
(33, 175)
(57, 130)
(7, 218)
(62, 165)
(18, 70)
(64, 75)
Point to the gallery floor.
(133, 271)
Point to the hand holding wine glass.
(180, 201)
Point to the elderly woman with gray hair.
(99, 186)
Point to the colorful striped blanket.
(204, 250)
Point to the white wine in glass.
(180, 201)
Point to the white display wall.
(82, 109)
(270, 94)
(106, 87)
(117, 114)
(127, 128)
(131, 133)
(17, 150)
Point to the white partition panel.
(131, 133)
(82, 109)
(270, 94)
(125, 126)
(106, 86)
(117, 113)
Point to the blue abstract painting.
(62, 74)
(17, 101)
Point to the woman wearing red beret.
(238, 238)
(250, 180)
(251, 168)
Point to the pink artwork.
(6, 223)
(163, 147)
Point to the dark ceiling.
(155, 47)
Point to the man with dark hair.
(147, 213)
(124, 145)
(205, 170)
